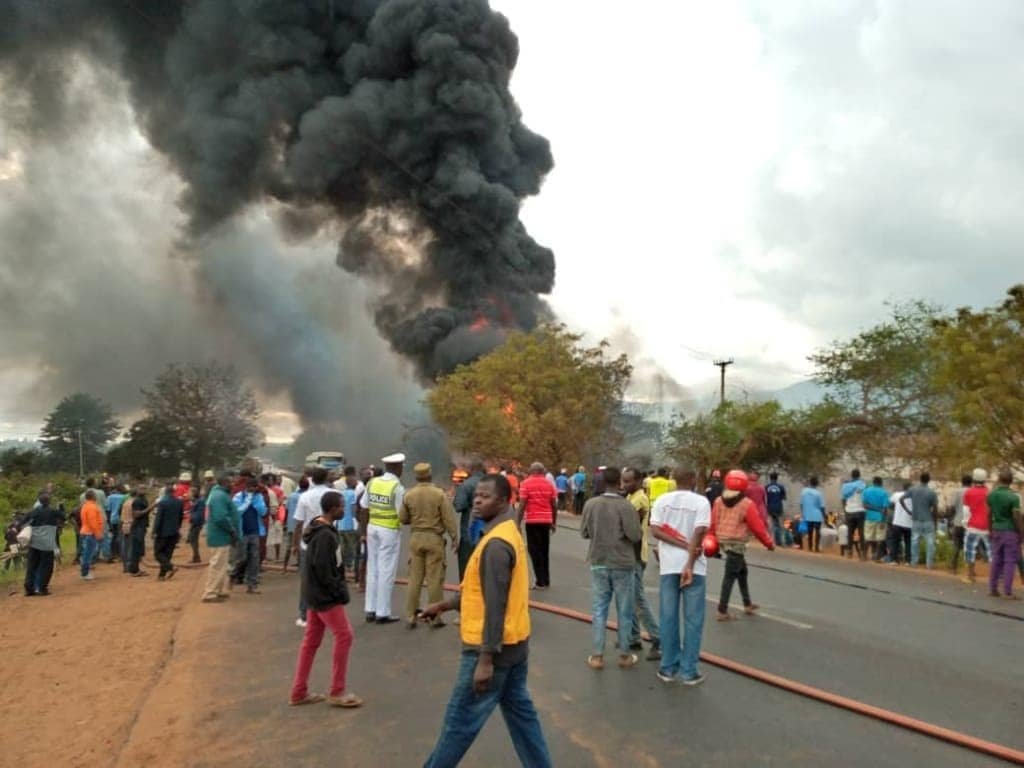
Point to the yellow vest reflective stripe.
(381, 494)
(517, 611)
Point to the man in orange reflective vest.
(494, 602)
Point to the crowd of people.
(344, 528)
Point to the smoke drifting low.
(393, 116)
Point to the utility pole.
(723, 364)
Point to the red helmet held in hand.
(736, 480)
(710, 545)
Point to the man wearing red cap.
(734, 517)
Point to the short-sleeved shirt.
(579, 482)
(291, 504)
(975, 503)
(901, 505)
(1001, 504)
(681, 512)
(812, 505)
(924, 499)
(562, 483)
(853, 496)
(538, 496)
(775, 495)
(642, 505)
(876, 501)
(308, 508)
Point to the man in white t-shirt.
(306, 511)
(902, 521)
(679, 521)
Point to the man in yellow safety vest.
(383, 499)
(494, 602)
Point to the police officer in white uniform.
(383, 499)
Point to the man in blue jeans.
(679, 521)
(613, 527)
(495, 631)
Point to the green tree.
(150, 449)
(760, 435)
(884, 380)
(78, 421)
(20, 461)
(981, 371)
(540, 396)
(204, 414)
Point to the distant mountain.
(797, 395)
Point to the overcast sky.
(744, 179)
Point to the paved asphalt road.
(864, 631)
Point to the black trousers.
(959, 534)
(538, 544)
(855, 522)
(813, 537)
(193, 540)
(735, 570)
(163, 550)
(577, 502)
(898, 534)
(138, 542)
(38, 570)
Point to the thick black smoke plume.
(393, 117)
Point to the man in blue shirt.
(114, 502)
(876, 502)
(812, 512)
(290, 504)
(579, 490)
(775, 498)
(348, 525)
(852, 494)
(251, 509)
(562, 486)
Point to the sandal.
(595, 662)
(348, 701)
(311, 698)
(627, 660)
(750, 609)
(724, 617)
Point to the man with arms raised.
(679, 521)
(494, 602)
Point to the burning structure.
(388, 121)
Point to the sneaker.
(627, 660)
(300, 622)
(694, 681)
(669, 679)
(371, 617)
(213, 599)
(88, 577)
(595, 662)
(387, 619)
(637, 646)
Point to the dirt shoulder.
(77, 667)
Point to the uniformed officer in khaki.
(430, 513)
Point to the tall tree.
(205, 413)
(78, 429)
(981, 370)
(760, 435)
(19, 461)
(150, 449)
(883, 378)
(540, 396)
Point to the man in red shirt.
(756, 493)
(538, 504)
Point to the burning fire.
(480, 323)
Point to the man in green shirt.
(1004, 510)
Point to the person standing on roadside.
(464, 508)
(977, 523)
(170, 513)
(613, 528)
(251, 508)
(306, 511)
(902, 524)
(495, 630)
(734, 518)
(196, 521)
(427, 509)
(562, 486)
(139, 524)
(325, 592)
(812, 513)
(383, 499)
(126, 528)
(876, 506)
(958, 524)
(46, 523)
(579, 489)
(852, 494)
(1005, 515)
(538, 506)
(291, 504)
(715, 486)
(643, 616)
(221, 534)
(114, 502)
(925, 512)
(348, 526)
(775, 499)
(756, 493)
(90, 533)
(679, 520)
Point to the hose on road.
(881, 714)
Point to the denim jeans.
(676, 660)
(917, 530)
(88, 552)
(777, 529)
(468, 711)
(251, 542)
(606, 582)
(643, 613)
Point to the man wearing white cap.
(383, 499)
